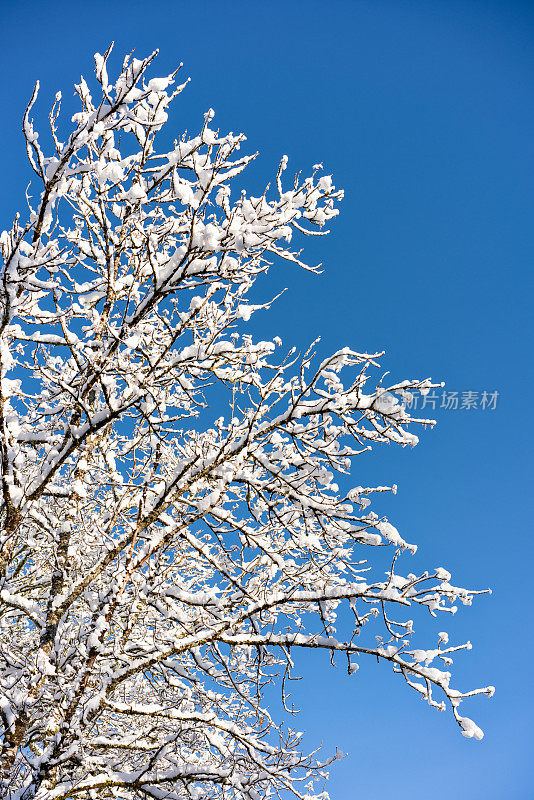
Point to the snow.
(160, 547)
(469, 729)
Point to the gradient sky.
(423, 112)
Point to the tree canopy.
(175, 517)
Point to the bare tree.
(171, 525)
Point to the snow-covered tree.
(172, 529)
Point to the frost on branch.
(172, 528)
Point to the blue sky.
(424, 113)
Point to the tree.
(171, 525)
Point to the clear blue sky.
(424, 113)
